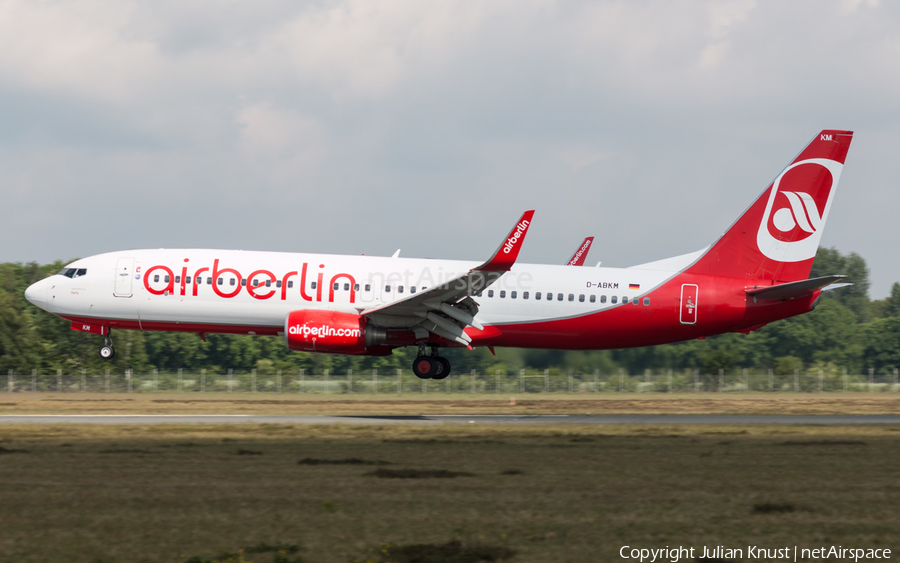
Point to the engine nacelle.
(312, 330)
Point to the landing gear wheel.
(424, 367)
(107, 351)
(444, 370)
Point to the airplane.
(580, 255)
(754, 274)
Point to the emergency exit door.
(689, 293)
(124, 270)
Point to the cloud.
(359, 126)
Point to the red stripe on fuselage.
(181, 327)
(723, 306)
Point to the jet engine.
(312, 330)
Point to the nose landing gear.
(107, 351)
(430, 367)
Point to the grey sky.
(363, 126)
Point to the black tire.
(424, 367)
(107, 352)
(445, 365)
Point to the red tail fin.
(777, 237)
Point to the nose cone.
(37, 294)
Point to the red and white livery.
(754, 274)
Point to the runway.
(425, 420)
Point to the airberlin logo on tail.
(802, 214)
(795, 213)
(514, 238)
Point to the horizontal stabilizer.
(793, 289)
(834, 286)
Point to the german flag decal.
(634, 286)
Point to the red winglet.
(506, 255)
(580, 255)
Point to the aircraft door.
(369, 291)
(124, 271)
(689, 296)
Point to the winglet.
(580, 255)
(506, 255)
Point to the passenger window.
(537, 296)
(166, 279)
(156, 278)
(646, 301)
(346, 287)
(187, 280)
(412, 289)
(232, 281)
(268, 283)
(571, 297)
(399, 289)
(313, 285)
(177, 279)
(512, 294)
(490, 293)
(368, 287)
(559, 296)
(336, 285)
(480, 293)
(624, 299)
(613, 299)
(387, 289)
(581, 298)
(593, 298)
(290, 284)
(278, 283)
(208, 281)
(220, 281)
(356, 287)
(524, 295)
(502, 293)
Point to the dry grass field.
(415, 403)
(450, 494)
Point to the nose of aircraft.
(37, 293)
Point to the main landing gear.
(107, 351)
(430, 367)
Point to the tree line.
(847, 331)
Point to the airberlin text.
(515, 236)
(753, 552)
(324, 330)
(259, 284)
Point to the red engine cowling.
(312, 330)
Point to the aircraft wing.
(447, 309)
(793, 289)
(580, 255)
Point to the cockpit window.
(73, 272)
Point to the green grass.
(168, 493)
